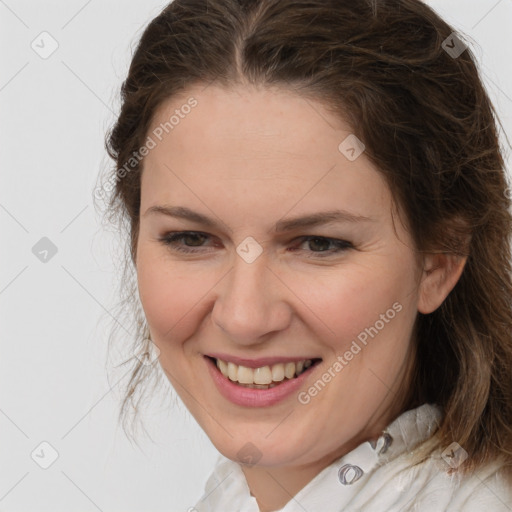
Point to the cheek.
(171, 297)
(384, 328)
(347, 301)
(369, 314)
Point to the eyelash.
(170, 239)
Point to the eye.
(192, 242)
(320, 246)
(195, 238)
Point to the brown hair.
(428, 125)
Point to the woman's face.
(333, 284)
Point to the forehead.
(246, 120)
(255, 143)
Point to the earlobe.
(440, 275)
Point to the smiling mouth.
(265, 377)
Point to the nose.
(251, 303)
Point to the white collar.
(227, 484)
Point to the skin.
(248, 157)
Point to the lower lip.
(250, 397)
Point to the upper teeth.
(265, 374)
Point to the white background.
(53, 382)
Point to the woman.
(319, 223)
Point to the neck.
(274, 487)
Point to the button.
(386, 441)
(382, 444)
(349, 474)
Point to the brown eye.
(317, 245)
(320, 244)
(185, 241)
(193, 239)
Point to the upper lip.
(259, 362)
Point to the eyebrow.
(305, 221)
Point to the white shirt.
(377, 477)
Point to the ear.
(440, 274)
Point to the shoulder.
(435, 485)
(488, 488)
(425, 476)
